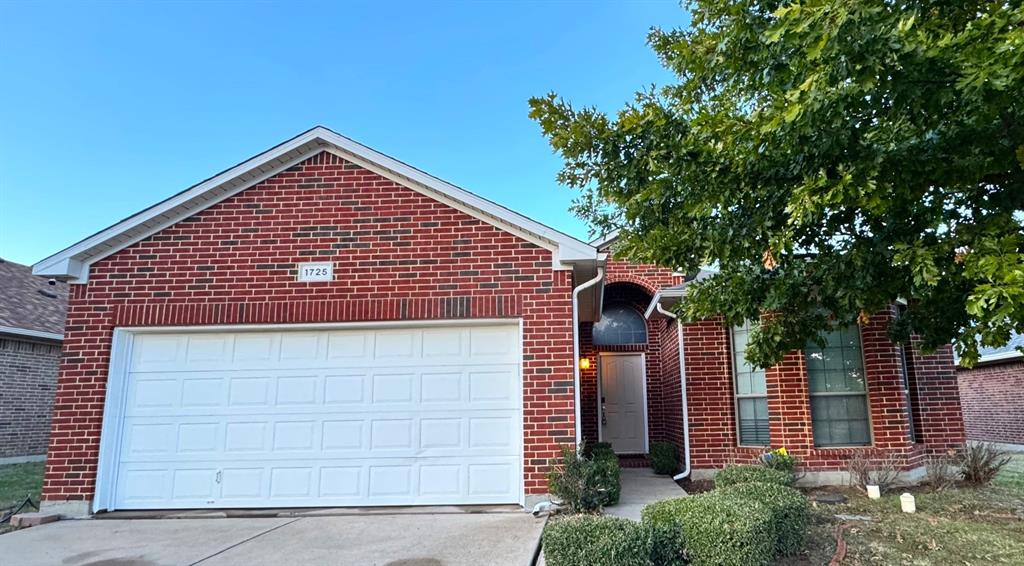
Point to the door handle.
(604, 415)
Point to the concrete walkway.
(418, 539)
(640, 487)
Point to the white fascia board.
(31, 333)
(604, 241)
(70, 263)
(57, 264)
(569, 249)
(659, 296)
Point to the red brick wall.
(993, 402)
(712, 414)
(28, 377)
(633, 285)
(398, 255)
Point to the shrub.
(715, 528)
(598, 449)
(789, 509)
(599, 540)
(883, 472)
(584, 485)
(941, 470)
(980, 462)
(732, 475)
(780, 459)
(609, 476)
(663, 458)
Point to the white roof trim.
(1001, 356)
(658, 296)
(31, 333)
(604, 241)
(73, 262)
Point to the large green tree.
(828, 157)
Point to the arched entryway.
(620, 392)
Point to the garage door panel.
(323, 390)
(409, 481)
(348, 417)
(288, 435)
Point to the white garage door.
(404, 416)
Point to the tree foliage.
(827, 157)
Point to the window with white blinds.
(751, 393)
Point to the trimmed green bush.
(715, 529)
(732, 475)
(789, 508)
(598, 449)
(598, 540)
(585, 484)
(609, 476)
(663, 458)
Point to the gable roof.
(29, 305)
(73, 263)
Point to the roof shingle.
(29, 302)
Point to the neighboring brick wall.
(712, 417)
(28, 377)
(993, 402)
(398, 255)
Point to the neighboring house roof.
(29, 305)
(73, 263)
(1010, 352)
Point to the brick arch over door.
(632, 292)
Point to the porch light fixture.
(584, 363)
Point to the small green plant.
(585, 485)
(583, 540)
(715, 528)
(598, 449)
(663, 458)
(790, 512)
(980, 462)
(780, 459)
(732, 475)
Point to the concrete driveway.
(406, 540)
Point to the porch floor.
(640, 487)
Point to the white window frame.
(736, 396)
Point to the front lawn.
(18, 481)
(954, 526)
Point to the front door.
(623, 406)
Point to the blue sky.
(109, 107)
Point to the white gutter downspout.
(576, 351)
(682, 386)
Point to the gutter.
(31, 333)
(576, 352)
(682, 387)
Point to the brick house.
(992, 394)
(323, 325)
(31, 330)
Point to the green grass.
(18, 481)
(1012, 476)
(954, 526)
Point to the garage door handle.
(220, 474)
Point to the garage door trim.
(120, 359)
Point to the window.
(839, 398)
(620, 324)
(906, 393)
(751, 393)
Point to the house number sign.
(316, 271)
